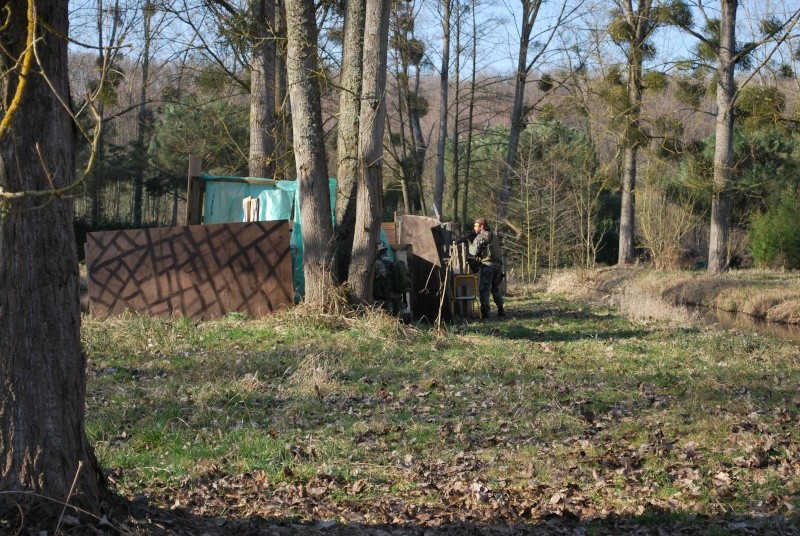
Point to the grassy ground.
(563, 419)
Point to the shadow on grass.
(652, 520)
(517, 326)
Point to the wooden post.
(195, 189)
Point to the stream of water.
(728, 320)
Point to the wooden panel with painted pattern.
(199, 271)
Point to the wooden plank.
(199, 271)
(195, 189)
(391, 234)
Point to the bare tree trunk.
(470, 118)
(283, 128)
(174, 218)
(309, 149)
(456, 105)
(347, 134)
(530, 9)
(43, 441)
(723, 150)
(419, 146)
(138, 183)
(642, 24)
(372, 122)
(444, 74)
(627, 208)
(404, 119)
(261, 162)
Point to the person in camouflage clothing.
(382, 290)
(487, 249)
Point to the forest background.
(563, 151)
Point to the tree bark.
(43, 442)
(530, 10)
(456, 114)
(347, 134)
(309, 149)
(141, 124)
(371, 126)
(723, 150)
(419, 146)
(438, 184)
(261, 162)
(283, 109)
(627, 215)
(642, 23)
(470, 117)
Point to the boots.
(500, 312)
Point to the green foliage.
(707, 50)
(211, 79)
(418, 104)
(690, 91)
(770, 27)
(106, 86)
(655, 81)
(619, 29)
(760, 107)
(668, 132)
(775, 234)
(613, 92)
(550, 112)
(676, 13)
(766, 163)
(546, 83)
(218, 131)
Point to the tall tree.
(347, 133)
(632, 27)
(409, 146)
(460, 12)
(526, 59)
(719, 42)
(303, 73)
(43, 440)
(141, 124)
(723, 152)
(371, 127)
(441, 139)
(262, 90)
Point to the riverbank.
(764, 295)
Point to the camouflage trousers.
(490, 277)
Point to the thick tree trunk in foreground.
(309, 149)
(43, 444)
(372, 121)
(723, 151)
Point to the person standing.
(486, 248)
(382, 284)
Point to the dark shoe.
(500, 312)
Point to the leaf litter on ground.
(564, 419)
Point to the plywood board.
(199, 271)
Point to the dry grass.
(659, 295)
(561, 411)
